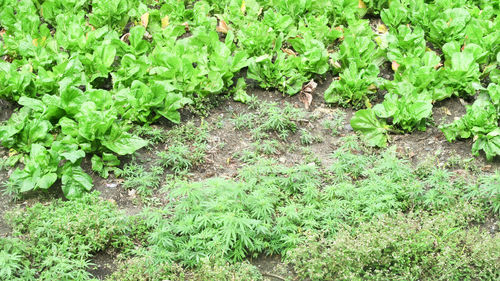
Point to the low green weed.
(143, 180)
(244, 120)
(246, 155)
(175, 157)
(413, 246)
(271, 119)
(334, 124)
(153, 134)
(57, 240)
(186, 149)
(282, 121)
(306, 138)
(268, 147)
(487, 191)
(143, 269)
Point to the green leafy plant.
(141, 179)
(354, 86)
(57, 240)
(400, 247)
(487, 191)
(480, 121)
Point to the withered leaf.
(305, 95)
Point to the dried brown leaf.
(289, 52)
(305, 95)
(222, 27)
(125, 37)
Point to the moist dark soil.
(225, 140)
(272, 268)
(104, 264)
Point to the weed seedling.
(335, 124)
(144, 181)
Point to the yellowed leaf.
(361, 4)
(145, 19)
(394, 65)
(381, 28)
(339, 28)
(35, 42)
(368, 104)
(260, 12)
(243, 7)
(165, 22)
(446, 111)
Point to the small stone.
(132, 193)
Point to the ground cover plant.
(249, 130)
(366, 216)
(84, 74)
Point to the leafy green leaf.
(489, 143)
(373, 130)
(75, 181)
(123, 143)
(73, 156)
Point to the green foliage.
(488, 191)
(141, 179)
(365, 215)
(374, 131)
(188, 145)
(282, 121)
(85, 73)
(419, 245)
(336, 123)
(480, 122)
(464, 35)
(216, 218)
(90, 79)
(58, 240)
(141, 269)
(354, 86)
(268, 147)
(270, 207)
(408, 108)
(306, 138)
